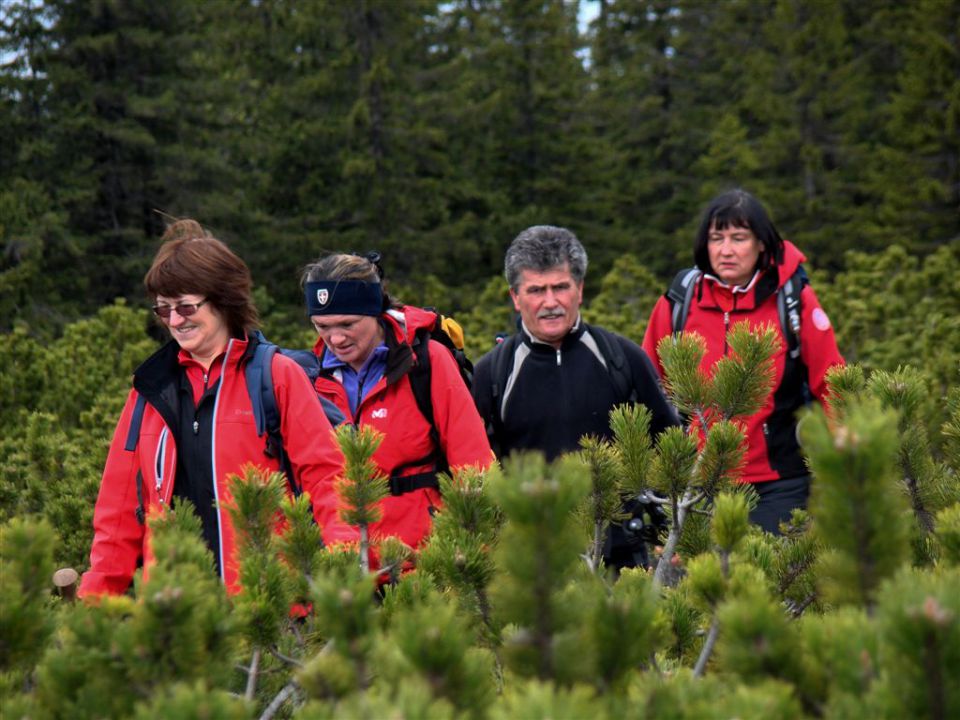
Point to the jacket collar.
(572, 336)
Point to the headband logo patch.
(323, 296)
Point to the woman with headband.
(366, 350)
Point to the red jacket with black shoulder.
(773, 449)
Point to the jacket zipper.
(213, 455)
(558, 357)
(726, 329)
(196, 421)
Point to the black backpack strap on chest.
(788, 309)
(680, 295)
(420, 383)
(501, 362)
(617, 365)
(500, 373)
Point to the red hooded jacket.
(773, 449)
(407, 448)
(121, 542)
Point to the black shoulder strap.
(420, 377)
(616, 360)
(680, 295)
(499, 371)
(788, 308)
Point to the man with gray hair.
(557, 378)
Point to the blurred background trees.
(435, 130)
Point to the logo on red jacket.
(820, 319)
(379, 413)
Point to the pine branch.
(252, 676)
(707, 650)
(279, 699)
(285, 659)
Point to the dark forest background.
(435, 131)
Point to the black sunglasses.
(183, 309)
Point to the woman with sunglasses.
(188, 422)
(369, 347)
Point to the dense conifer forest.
(434, 131)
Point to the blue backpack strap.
(136, 420)
(680, 295)
(133, 437)
(259, 377)
(310, 364)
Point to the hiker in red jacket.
(742, 265)
(188, 422)
(373, 360)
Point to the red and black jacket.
(409, 448)
(773, 449)
(226, 440)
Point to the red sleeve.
(818, 345)
(463, 436)
(309, 442)
(117, 534)
(659, 326)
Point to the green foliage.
(859, 514)
(192, 702)
(687, 385)
(435, 132)
(26, 565)
(918, 618)
(537, 501)
(742, 381)
(266, 584)
(631, 431)
(114, 653)
(363, 485)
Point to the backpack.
(266, 414)
(680, 295)
(259, 380)
(502, 362)
(449, 333)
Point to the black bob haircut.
(738, 208)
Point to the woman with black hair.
(743, 265)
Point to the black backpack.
(448, 333)
(680, 295)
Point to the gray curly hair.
(541, 248)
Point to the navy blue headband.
(343, 297)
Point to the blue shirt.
(358, 384)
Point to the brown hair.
(192, 261)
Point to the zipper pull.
(558, 358)
(196, 427)
(726, 329)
